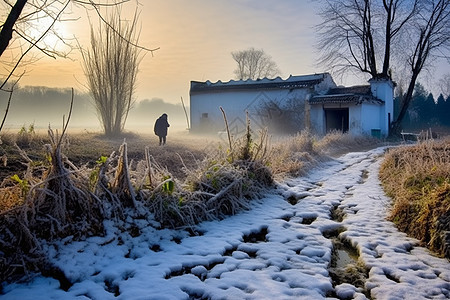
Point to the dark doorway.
(336, 119)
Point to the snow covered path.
(280, 249)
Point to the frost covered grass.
(71, 184)
(276, 250)
(295, 155)
(418, 179)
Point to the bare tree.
(25, 25)
(429, 36)
(365, 35)
(111, 67)
(254, 64)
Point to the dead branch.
(149, 164)
(228, 132)
(122, 186)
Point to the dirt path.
(373, 257)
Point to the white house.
(322, 105)
(366, 109)
(239, 97)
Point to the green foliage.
(101, 160)
(168, 186)
(94, 175)
(23, 183)
(424, 111)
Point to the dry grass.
(295, 155)
(335, 143)
(418, 179)
(56, 186)
(87, 147)
(184, 155)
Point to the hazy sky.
(196, 38)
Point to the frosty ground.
(280, 249)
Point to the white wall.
(354, 119)
(317, 119)
(362, 118)
(235, 104)
(370, 117)
(384, 90)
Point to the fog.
(41, 106)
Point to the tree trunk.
(387, 44)
(396, 126)
(7, 28)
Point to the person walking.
(160, 129)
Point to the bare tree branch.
(27, 14)
(111, 67)
(366, 34)
(118, 33)
(433, 28)
(7, 27)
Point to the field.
(58, 186)
(87, 147)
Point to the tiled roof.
(277, 83)
(354, 94)
(357, 89)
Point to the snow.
(276, 250)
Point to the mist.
(144, 114)
(44, 106)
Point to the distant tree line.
(42, 106)
(425, 111)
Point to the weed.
(168, 185)
(95, 173)
(26, 136)
(23, 184)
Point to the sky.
(288, 257)
(195, 40)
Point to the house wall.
(317, 119)
(355, 113)
(235, 104)
(370, 117)
(362, 118)
(384, 89)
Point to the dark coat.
(161, 126)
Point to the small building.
(252, 96)
(366, 109)
(319, 105)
